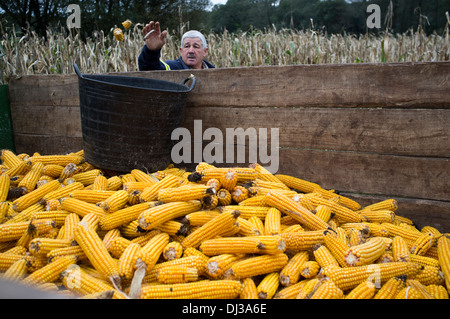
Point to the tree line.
(332, 16)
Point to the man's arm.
(150, 60)
(150, 57)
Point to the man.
(193, 50)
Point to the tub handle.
(191, 77)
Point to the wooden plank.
(47, 120)
(47, 144)
(403, 176)
(49, 89)
(416, 132)
(424, 85)
(421, 212)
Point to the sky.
(218, 2)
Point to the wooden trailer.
(369, 131)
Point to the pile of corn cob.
(68, 228)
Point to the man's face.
(192, 52)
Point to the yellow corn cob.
(124, 216)
(292, 291)
(96, 252)
(259, 265)
(152, 250)
(62, 160)
(100, 183)
(173, 228)
(76, 251)
(62, 192)
(118, 246)
(200, 218)
(323, 256)
(291, 208)
(239, 193)
(210, 202)
(290, 274)
(193, 261)
(388, 204)
(215, 183)
(224, 197)
(43, 246)
(272, 223)
(109, 236)
(69, 224)
(309, 269)
(323, 212)
(437, 291)
(217, 265)
(90, 196)
(151, 193)
(141, 176)
(423, 243)
(365, 290)
(176, 274)
(258, 224)
(248, 289)
(430, 275)
(17, 271)
(396, 230)
(400, 251)
(173, 250)
(68, 171)
(215, 227)
(341, 213)
(52, 170)
(77, 280)
(365, 253)
(34, 196)
(402, 220)
(127, 261)
(297, 183)
(205, 289)
(58, 216)
(424, 260)
(115, 202)
(247, 212)
(52, 204)
(308, 287)
(128, 178)
(155, 216)
(444, 258)
(9, 158)
(409, 293)
(228, 179)
(378, 216)
(114, 183)
(355, 237)
(50, 272)
(87, 178)
(348, 278)
(7, 260)
(257, 200)
(133, 198)
(327, 290)
(429, 229)
(265, 175)
(391, 288)
(12, 231)
(4, 186)
(136, 186)
(303, 240)
(268, 286)
(339, 199)
(80, 207)
(184, 193)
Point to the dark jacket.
(151, 60)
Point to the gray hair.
(195, 34)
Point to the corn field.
(101, 52)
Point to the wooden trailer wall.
(369, 131)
